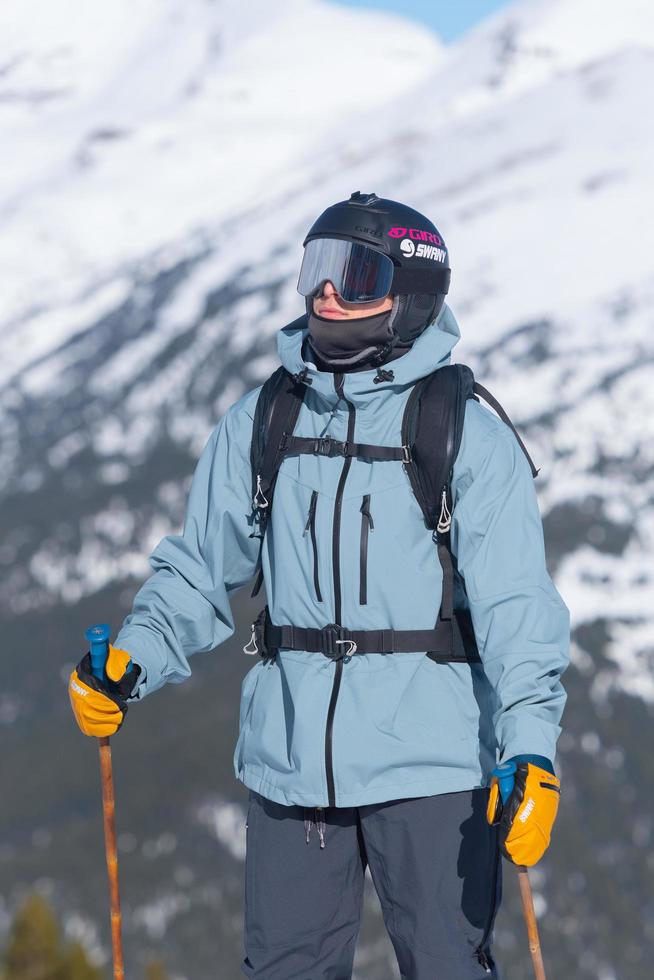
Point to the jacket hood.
(431, 350)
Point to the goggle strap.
(431, 281)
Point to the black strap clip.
(337, 644)
(323, 446)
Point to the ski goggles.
(358, 273)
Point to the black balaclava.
(355, 344)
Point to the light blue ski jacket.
(401, 725)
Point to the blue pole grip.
(506, 778)
(98, 639)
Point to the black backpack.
(432, 427)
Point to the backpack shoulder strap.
(432, 426)
(494, 404)
(276, 413)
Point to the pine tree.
(34, 949)
(155, 970)
(75, 965)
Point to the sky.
(449, 18)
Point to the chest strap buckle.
(323, 446)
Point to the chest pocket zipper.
(367, 525)
(311, 526)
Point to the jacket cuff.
(536, 760)
(144, 652)
(518, 730)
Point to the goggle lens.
(358, 273)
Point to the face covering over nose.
(342, 344)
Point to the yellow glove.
(99, 708)
(527, 817)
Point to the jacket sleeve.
(521, 624)
(183, 608)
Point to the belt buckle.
(337, 639)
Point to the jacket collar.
(431, 350)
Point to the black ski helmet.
(421, 276)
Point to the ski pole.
(98, 637)
(530, 919)
(505, 774)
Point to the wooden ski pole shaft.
(109, 819)
(98, 637)
(532, 926)
(505, 774)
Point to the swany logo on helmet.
(422, 251)
(417, 234)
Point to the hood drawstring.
(319, 821)
(302, 377)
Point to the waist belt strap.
(444, 644)
(336, 641)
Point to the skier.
(406, 649)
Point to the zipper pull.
(445, 518)
(320, 824)
(312, 511)
(365, 510)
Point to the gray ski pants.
(435, 865)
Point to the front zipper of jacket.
(336, 556)
(366, 526)
(311, 526)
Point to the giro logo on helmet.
(368, 231)
(407, 248)
(417, 234)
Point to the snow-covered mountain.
(165, 160)
(162, 163)
(135, 125)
